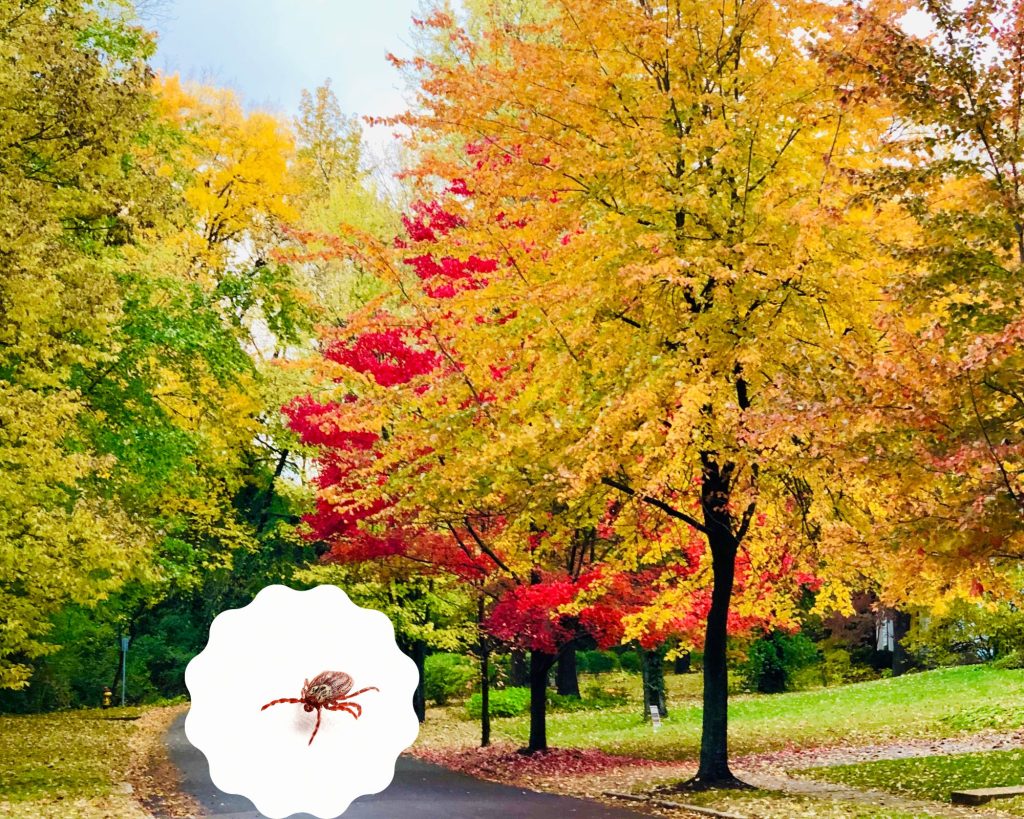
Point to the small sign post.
(655, 717)
(124, 666)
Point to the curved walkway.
(419, 791)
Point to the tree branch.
(487, 550)
(658, 504)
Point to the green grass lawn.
(66, 764)
(934, 703)
(776, 805)
(934, 777)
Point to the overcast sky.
(269, 50)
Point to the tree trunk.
(567, 681)
(714, 750)
(653, 671)
(682, 664)
(519, 673)
(416, 650)
(485, 682)
(540, 665)
(900, 627)
(268, 496)
(713, 771)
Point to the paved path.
(418, 791)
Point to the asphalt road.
(418, 791)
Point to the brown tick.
(328, 689)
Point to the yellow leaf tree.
(660, 183)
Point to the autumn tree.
(130, 389)
(373, 500)
(672, 169)
(73, 85)
(932, 416)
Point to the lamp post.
(124, 666)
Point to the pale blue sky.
(269, 50)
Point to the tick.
(328, 689)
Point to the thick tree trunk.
(540, 665)
(519, 673)
(485, 682)
(900, 658)
(653, 668)
(567, 681)
(713, 771)
(714, 749)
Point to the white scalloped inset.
(265, 651)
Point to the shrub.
(499, 670)
(565, 702)
(447, 676)
(836, 665)
(968, 632)
(629, 661)
(597, 662)
(1013, 660)
(74, 674)
(807, 678)
(773, 659)
(838, 668)
(598, 696)
(504, 702)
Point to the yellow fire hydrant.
(108, 696)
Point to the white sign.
(655, 717)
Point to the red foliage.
(442, 280)
(316, 425)
(526, 615)
(505, 764)
(428, 221)
(385, 355)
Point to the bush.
(773, 659)
(566, 702)
(629, 661)
(807, 678)
(504, 702)
(838, 668)
(599, 696)
(968, 632)
(597, 662)
(88, 658)
(1013, 660)
(447, 676)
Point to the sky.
(269, 50)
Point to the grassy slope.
(65, 764)
(934, 703)
(933, 777)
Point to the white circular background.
(264, 652)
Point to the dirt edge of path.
(153, 778)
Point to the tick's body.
(328, 689)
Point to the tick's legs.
(345, 706)
(357, 693)
(343, 700)
(317, 727)
(276, 702)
